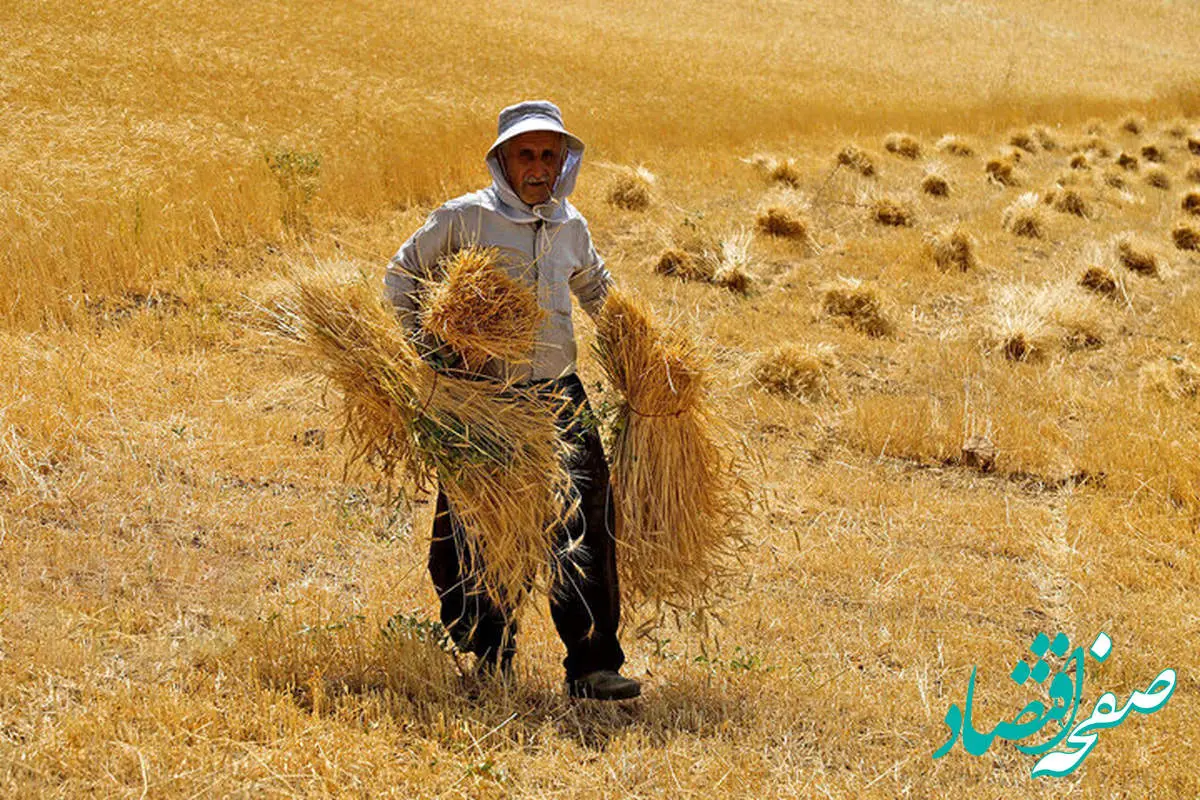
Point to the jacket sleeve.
(590, 281)
(410, 268)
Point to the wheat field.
(966, 385)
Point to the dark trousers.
(585, 604)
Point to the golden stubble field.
(193, 596)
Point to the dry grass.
(856, 159)
(675, 484)
(903, 145)
(479, 311)
(1136, 254)
(1127, 162)
(1024, 217)
(893, 211)
(1174, 377)
(1193, 173)
(955, 146)
(1185, 237)
(800, 372)
(952, 248)
(1193, 145)
(631, 189)
(860, 303)
(1079, 161)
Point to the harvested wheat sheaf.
(1024, 217)
(1099, 281)
(783, 222)
(1153, 153)
(1158, 178)
(935, 185)
(1094, 145)
(890, 211)
(952, 248)
(860, 303)
(856, 159)
(955, 146)
(682, 264)
(479, 311)
(681, 503)
(1186, 237)
(785, 172)
(1028, 324)
(1001, 171)
(903, 145)
(631, 189)
(1046, 138)
(797, 371)
(1069, 201)
(494, 449)
(1190, 202)
(1133, 124)
(1114, 179)
(1024, 140)
(1136, 255)
(1127, 162)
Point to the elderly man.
(546, 245)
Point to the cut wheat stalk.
(680, 500)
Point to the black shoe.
(604, 684)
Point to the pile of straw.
(494, 450)
(680, 501)
(479, 311)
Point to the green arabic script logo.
(1065, 691)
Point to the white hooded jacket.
(547, 247)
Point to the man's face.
(532, 162)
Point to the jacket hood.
(537, 115)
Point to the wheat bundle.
(955, 146)
(679, 498)
(1186, 237)
(494, 449)
(479, 311)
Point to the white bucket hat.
(532, 115)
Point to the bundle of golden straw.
(479, 311)
(680, 501)
(494, 449)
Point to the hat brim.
(537, 124)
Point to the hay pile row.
(494, 449)
(679, 499)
